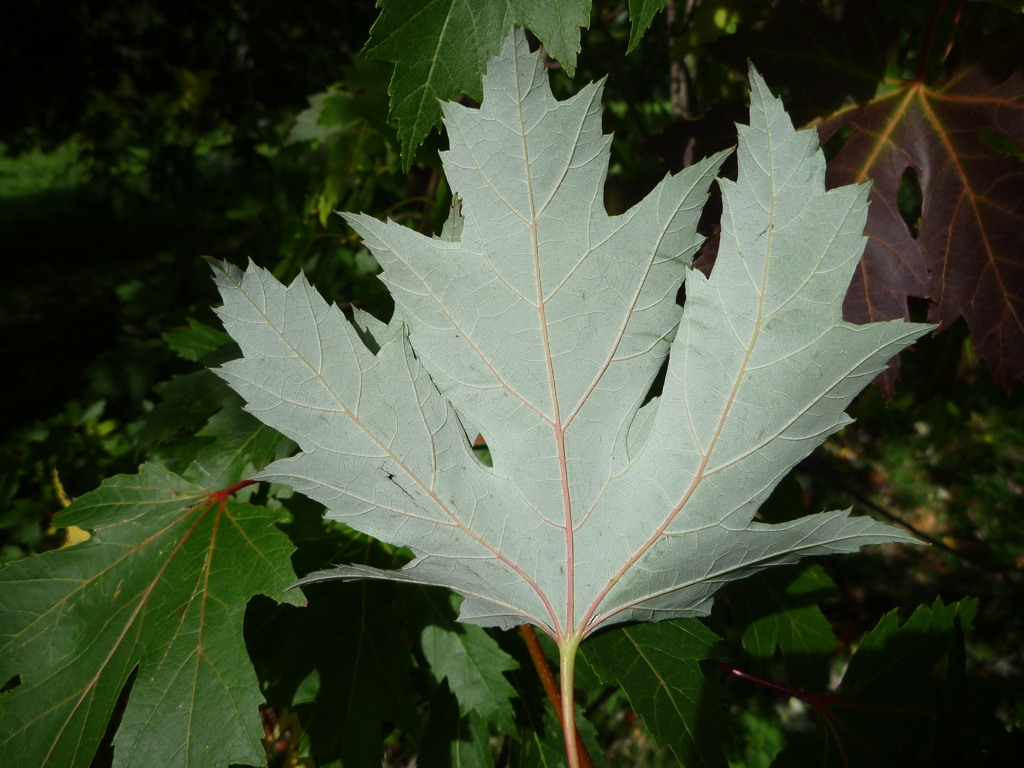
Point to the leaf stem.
(821, 704)
(567, 658)
(807, 698)
(547, 679)
(223, 494)
(540, 662)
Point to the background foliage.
(139, 135)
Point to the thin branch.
(834, 477)
(677, 81)
(807, 698)
(874, 507)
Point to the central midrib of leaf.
(556, 423)
(557, 426)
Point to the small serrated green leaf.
(197, 341)
(467, 657)
(186, 402)
(439, 48)
(242, 446)
(557, 24)
(641, 16)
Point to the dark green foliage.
(198, 342)
(341, 705)
(452, 739)
(465, 656)
(137, 136)
(779, 609)
(889, 707)
(658, 667)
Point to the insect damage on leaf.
(539, 323)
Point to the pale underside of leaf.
(543, 327)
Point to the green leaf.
(780, 608)
(242, 445)
(342, 665)
(186, 402)
(467, 657)
(889, 701)
(439, 48)
(557, 24)
(197, 342)
(658, 667)
(161, 586)
(641, 16)
(452, 740)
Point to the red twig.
(809, 698)
(821, 704)
(926, 49)
(547, 679)
(952, 33)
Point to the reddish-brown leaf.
(968, 257)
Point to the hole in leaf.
(482, 452)
(105, 751)
(657, 385)
(918, 309)
(1000, 143)
(14, 682)
(909, 201)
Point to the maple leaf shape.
(967, 256)
(540, 322)
(161, 586)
